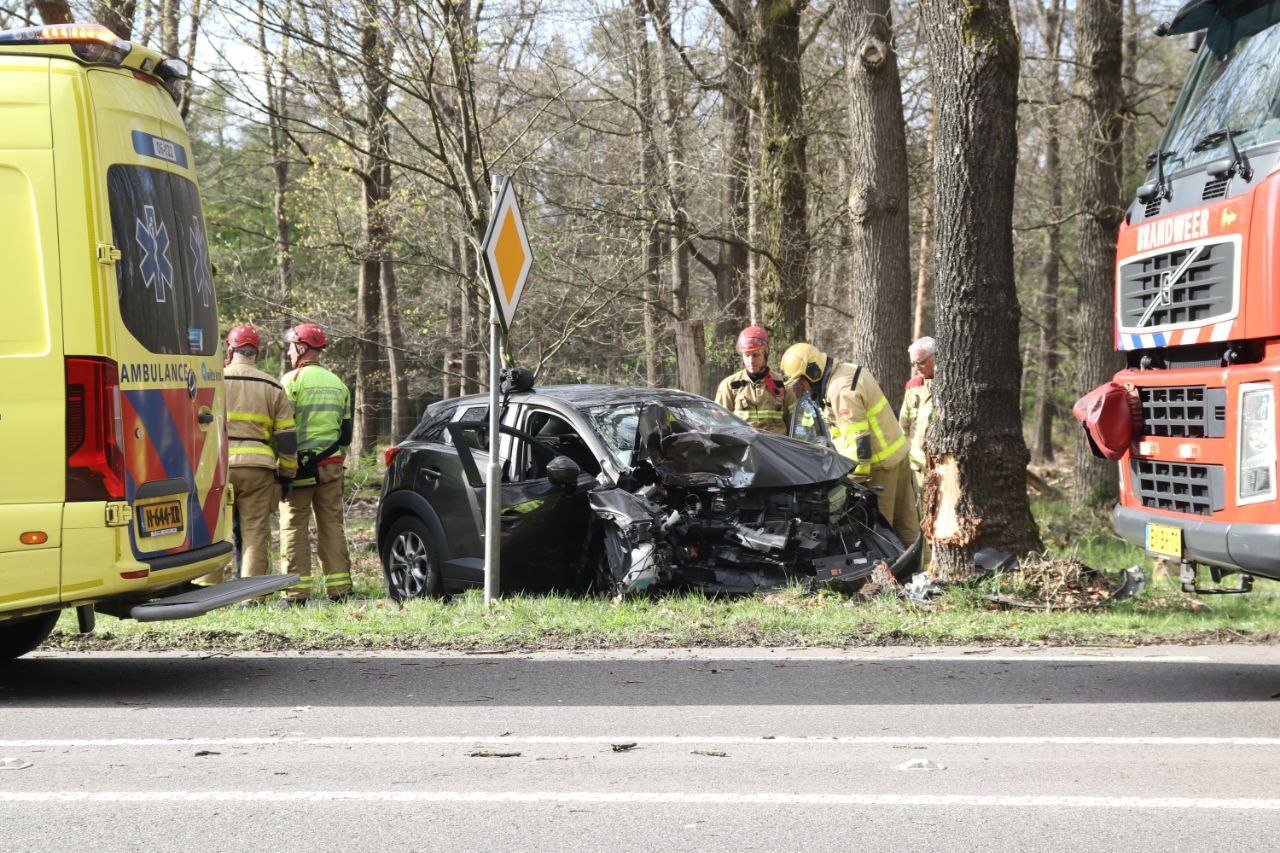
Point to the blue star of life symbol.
(155, 266)
(201, 270)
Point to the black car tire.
(410, 560)
(19, 636)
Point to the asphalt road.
(1140, 749)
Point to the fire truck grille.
(1184, 411)
(1202, 293)
(1178, 487)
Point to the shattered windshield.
(616, 424)
(1233, 86)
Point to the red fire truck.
(1192, 419)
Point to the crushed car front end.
(730, 510)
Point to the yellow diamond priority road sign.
(506, 253)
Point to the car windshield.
(1234, 86)
(616, 424)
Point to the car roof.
(581, 396)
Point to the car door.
(543, 525)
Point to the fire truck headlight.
(1257, 445)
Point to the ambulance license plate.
(1164, 540)
(160, 518)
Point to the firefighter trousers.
(257, 494)
(896, 495)
(324, 501)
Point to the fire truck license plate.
(157, 519)
(1164, 540)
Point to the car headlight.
(1257, 447)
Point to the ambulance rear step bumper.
(197, 602)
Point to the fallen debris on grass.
(1057, 583)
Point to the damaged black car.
(623, 490)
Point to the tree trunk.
(375, 231)
(472, 321)
(1099, 29)
(115, 15)
(880, 232)
(650, 189)
(926, 235)
(975, 494)
(1134, 170)
(732, 266)
(169, 17)
(193, 35)
(368, 303)
(401, 417)
(782, 197)
(451, 384)
(56, 11)
(691, 355)
(277, 114)
(1042, 449)
(675, 181)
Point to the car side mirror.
(563, 472)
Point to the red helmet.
(752, 339)
(243, 336)
(306, 333)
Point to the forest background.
(686, 167)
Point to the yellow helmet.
(802, 360)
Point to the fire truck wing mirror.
(1223, 168)
(1148, 192)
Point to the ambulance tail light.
(90, 42)
(95, 442)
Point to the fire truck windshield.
(1235, 90)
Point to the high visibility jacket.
(764, 404)
(260, 428)
(322, 407)
(917, 409)
(858, 415)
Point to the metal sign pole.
(493, 479)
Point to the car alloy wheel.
(409, 565)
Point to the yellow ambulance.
(113, 458)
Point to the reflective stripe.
(338, 576)
(761, 413)
(285, 424)
(250, 450)
(253, 418)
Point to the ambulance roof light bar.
(90, 42)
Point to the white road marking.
(640, 797)
(654, 740)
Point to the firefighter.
(862, 428)
(322, 407)
(755, 393)
(261, 452)
(917, 405)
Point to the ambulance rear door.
(165, 320)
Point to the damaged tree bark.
(975, 494)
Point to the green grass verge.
(786, 618)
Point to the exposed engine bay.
(736, 512)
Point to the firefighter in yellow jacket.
(261, 452)
(862, 428)
(756, 394)
(322, 405)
